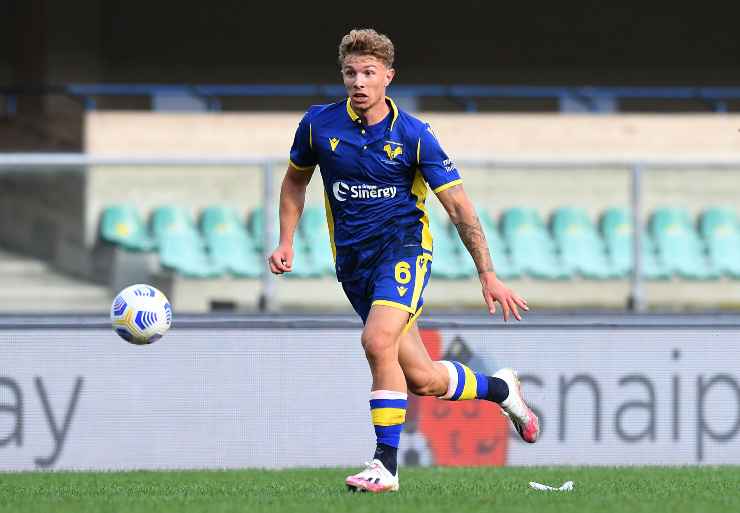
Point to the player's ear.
(389, 76)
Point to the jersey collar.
(354, 117)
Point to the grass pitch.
(425, 490)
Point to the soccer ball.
(141, 314)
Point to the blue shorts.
(397, 282)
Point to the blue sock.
(465, 384)
(388, 455)
(497, 391)
(388, 412)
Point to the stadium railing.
(637, 299)
(594, 99)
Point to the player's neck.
(374, 114)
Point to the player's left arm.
(462, 214)
(443, 177)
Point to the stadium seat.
(256, 227)
(581, 247)
(616, 228)
(172, 220)
(720, 228)
(220, 219)
(505, 268)
(122, 225)
(679, 246)
(532, 249)
(181, 247)
(303, 264)
(315, 232)
(447, 262)
(229, 243)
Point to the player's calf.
(427, 384)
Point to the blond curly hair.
(367, 42)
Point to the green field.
(597, 489)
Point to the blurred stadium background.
(146, 143)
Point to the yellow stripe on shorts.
(421, 271)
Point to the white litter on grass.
(566, 487)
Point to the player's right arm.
(303, 161)
(292, 199)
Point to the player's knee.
(377, 345)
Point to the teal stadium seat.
(679, 246)
(229, 243)
(181, 247)
(303, 265)
(123, 226)
(616, 228)
(581, 247)
(506, 269)
(532, 249)
(446, 261)
(256, 227)
(720, 229)
(315, 232)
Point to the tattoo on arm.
(474, 239)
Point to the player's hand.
(281, 260)
(495, 290)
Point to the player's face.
(365, 78)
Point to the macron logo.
(362, 191)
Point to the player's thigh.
(383, 329)
(424, 376)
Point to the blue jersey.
(375, 181)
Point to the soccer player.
(376, 161)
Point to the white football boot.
(375, 478)
(525, 421)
